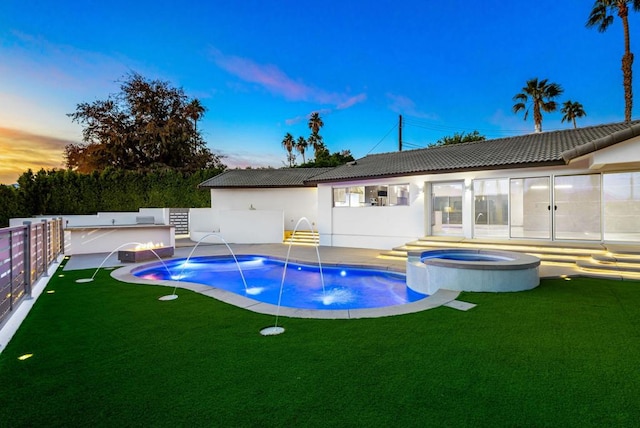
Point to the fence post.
(61, 229)
(10, 270)
(27, 257)
(45, 247)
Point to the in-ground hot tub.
(464, 269)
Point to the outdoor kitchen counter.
(105, 238)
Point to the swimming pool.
(345, 287)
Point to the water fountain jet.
(275, 329)
(248, 290)
(86, 280)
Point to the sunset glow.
(261, 70)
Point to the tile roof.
(539, 149)
(247, 178)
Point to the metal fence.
(26, 252)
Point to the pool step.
(303, 237)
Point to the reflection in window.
(576, 207)
(621, 194)
(446, 215)
(377, 196)
(491, 208)
(399, 194)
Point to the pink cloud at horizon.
(276, 81)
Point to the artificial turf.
(108, 353)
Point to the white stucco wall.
(295, 203)
(114, 218)
(370, 226)
(624, 153)
(236, 226)
(388, 227)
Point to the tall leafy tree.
(288, 143)
(571, 111)
(458, 138)
(601, 16)
(539, 95)
(148, 125)
(301, 147)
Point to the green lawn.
(110, 354)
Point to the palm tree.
(315, 121)
(602, 16)
(288, 142)
(195, 111)
(315, 139)
(301, 146)
(541, 94)
(572, 110)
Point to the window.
(491, 208)
(446, 208)
(621, 194)
(377, 196)
(399, 194)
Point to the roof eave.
(601, 143)
(443, 171)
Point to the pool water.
(344, 287)
(465, 256)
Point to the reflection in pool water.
(344, 287)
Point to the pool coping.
(517, 261)
(440, 298)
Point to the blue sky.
(261, 67)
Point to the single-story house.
(258, 205)
(572, 185)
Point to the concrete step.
(611, 259)
(570, 249)
(622, 268)
(303, 237)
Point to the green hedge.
(65, 192)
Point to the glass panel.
(355, 196)
(340, 197)
(529, 208)
(577, 207)
(399, 195)
(376, 196)
(446, 214)
(621, 206)
(491, 204)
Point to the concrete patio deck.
(359, 257)
(328, 255)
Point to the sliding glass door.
(576, 207)
(446, 208)
(491, 208)
(530, 202)
(621, 194)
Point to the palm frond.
(518, 107)
(600, 17)
(549, 106)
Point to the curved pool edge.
(435, 300)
